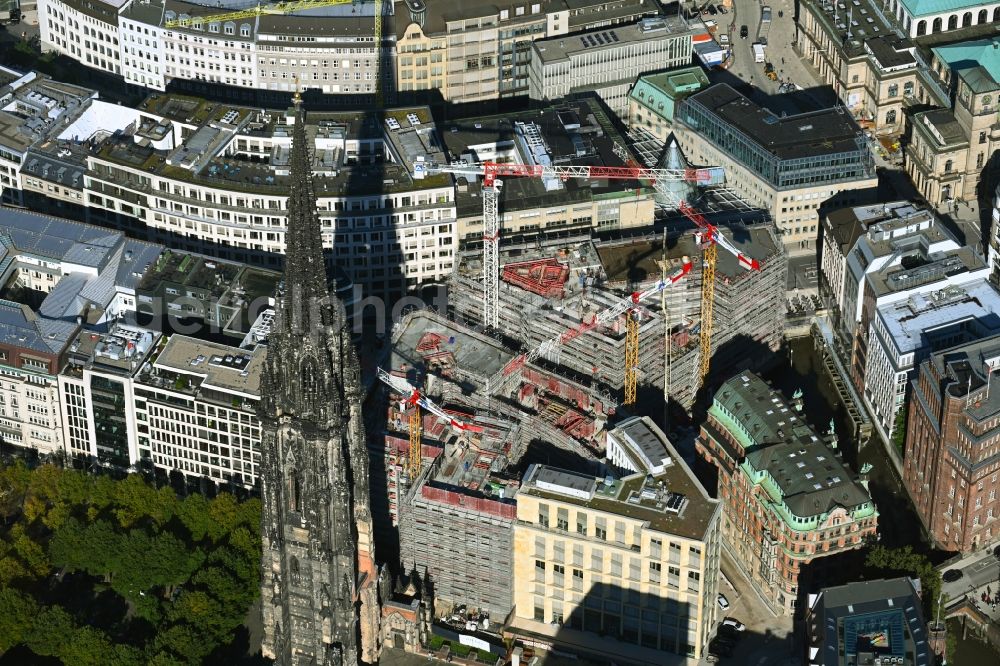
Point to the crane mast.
(710, 235)
(416, 400)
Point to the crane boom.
(603, 318)
(256, 10)
(492, 170)
(715, 236)
(414, 397)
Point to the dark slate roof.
(20, 327)
(868, 617)
(823, 132)
(891, 51)
(120, 260)
(812, 478)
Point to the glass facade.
(817, 169)
(109, 420)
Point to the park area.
(96, 570)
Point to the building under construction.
(454, 511)
(551, 290)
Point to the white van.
(724, 40)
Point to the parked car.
(722, 9)
(712, 10)
(734, 623)
(723, 602)
(996, 552)
(951, 575)
(744, 32)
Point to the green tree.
(17, 615)
(14, 481)
(183, 643)
(86, 647)
(50, 632)
(883, 561)
(193, 514)
(94, 548)
(31, 553)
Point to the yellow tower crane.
(709, 256)
(416, 400)
(711, 239)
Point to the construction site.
(549, 341)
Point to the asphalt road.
(978, 571)
(779, 52)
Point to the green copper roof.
(917, 8)
(978, 62)
(673, 84)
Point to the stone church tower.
(319, 587)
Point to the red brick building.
(788, 499)
(952, 458)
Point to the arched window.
(309, 378)
(945, 193)
(966, 19)
(936, 25)
(294, 491)
(983, 16)
(996, 14)
(947, 166)
(293, 565)
(953, 22)
(890, 117)
(921, 28)
(908, 89)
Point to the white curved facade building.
(330, 49)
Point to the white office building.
(608, 60)
(84, 30)
(903, 333)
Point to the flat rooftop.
(640, 259)
(572, 133)
(564, 47)
(824, 132)
(923, 269)
(471, 352)
(942, 126)
(210, 155)
(672, 501)
(850, 617)
(849, 224)
(216, 366)
(909, 322)
(853, 23)
(679, 506)
(967, 368)
(121, 350)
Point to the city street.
(779, 52)
(767, 640)
(979, 571)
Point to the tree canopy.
(101, 571)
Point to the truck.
(758, 52)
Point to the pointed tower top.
(297, 97)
